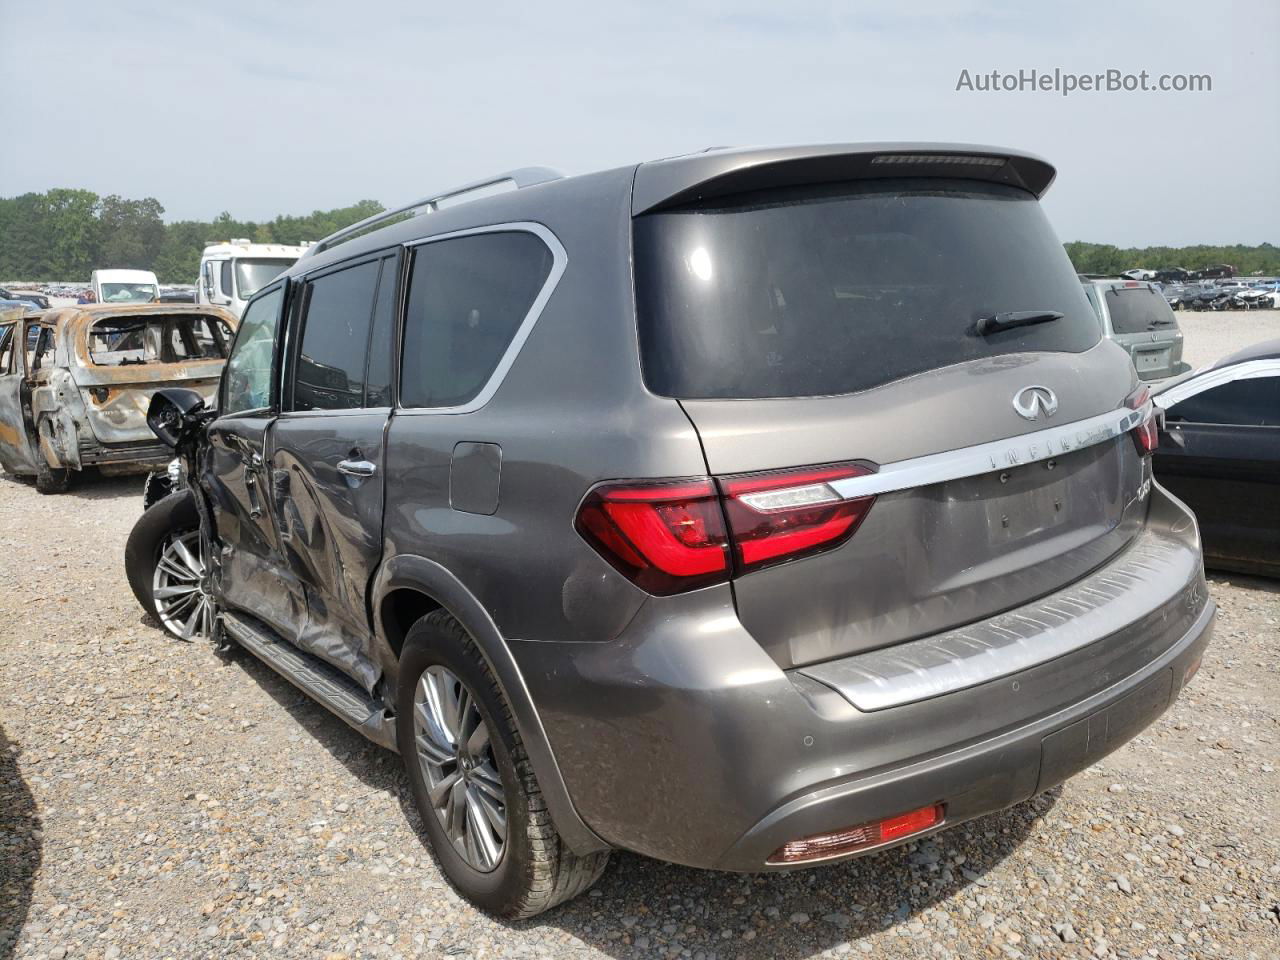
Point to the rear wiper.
(1156, 324)
(1016, 318)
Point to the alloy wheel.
(178, 588)
(465, 789)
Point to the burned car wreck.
(75, 384)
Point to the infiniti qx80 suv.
(750, 510)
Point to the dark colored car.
(38, 300)
(1220, 453)
(751, 510)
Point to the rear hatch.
(1142, 322)
(839, 324)
(125, 358)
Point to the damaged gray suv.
(751, 509)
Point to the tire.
(534, 870)
(172, 519)
(52, 480)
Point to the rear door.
(327, 463)
(16, 454)
(839, 325)
(255, 576)
(1220, 453)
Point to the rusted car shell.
(83, 413)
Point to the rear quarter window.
(840, 288)
(468, 298)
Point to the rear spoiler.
(715, 173)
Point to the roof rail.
(524, 177)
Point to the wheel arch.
(406, 588)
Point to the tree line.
(65, 234)
(1104, 258)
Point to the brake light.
(665, 537)
(782, 515)
(671, 536)
(1146, 434)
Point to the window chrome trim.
(559, 261)
(1198, 383)
(995, 455)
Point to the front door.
(327, 461)
(254, 575)
(1220, 453)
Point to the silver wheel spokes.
(463, 783)
(177, 588)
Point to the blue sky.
(263, 108)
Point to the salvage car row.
(670, 509)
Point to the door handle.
(357, 468)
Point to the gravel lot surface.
(1210, 336)
(159, 801)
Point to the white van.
(125, 286)
(232, 272)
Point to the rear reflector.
(824, 846)
(786, 514)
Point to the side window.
(377, 391)
(6, 348)
(39, 347)
(337, 311)
(467, 299)
(224, 279)
(248, 373)
(1253, 402)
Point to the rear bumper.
(683, 740)
(994, 774)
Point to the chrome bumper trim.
(1156, 574)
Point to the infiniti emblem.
(1034, 402)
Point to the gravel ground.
(1210, 336)
(159, 801)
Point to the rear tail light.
(824, 846)
(778, 516)
(1147, 433)
(666, 537)
(672, 536)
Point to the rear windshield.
(129, 293)
(120, 341)
(840, 288)
(1138, 309)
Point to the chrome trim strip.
(1157, 573)
(559, 261)
(996, 455)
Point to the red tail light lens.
(774, 517)
(1146, 434)
(666, 537)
